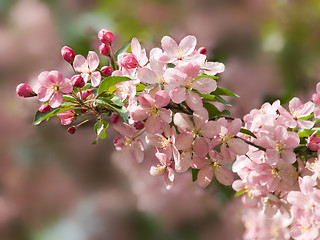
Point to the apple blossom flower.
(66, 117)
(297, 110)
(87, 67)
(128, 141)
(152, 109)
(164, 168)
(186, 81)
(210, 166)
(53, 85)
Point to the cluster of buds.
(167, 99)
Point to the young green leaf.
(207, 76)
(111, 81)
(248, 132)
(194, 174)
(225, 92)
(100, 129)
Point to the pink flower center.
(153, 111)
(279, 146)
(303, 227)
(160, 169)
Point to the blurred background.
(54, 185)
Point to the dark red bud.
(138, 125)
(82, 110)
(72, 129)
(86, 93)
(24, 90)
(104, 49)
(107, 70)
(45, 108)
(115, 118)
(67, 54)
(202, 50)
(78, 81)
(105, 36)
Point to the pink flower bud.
(24, 90)
(78, 81)
(313, 142)
(67, 54)
(115, 118)
(104, 49)
(105, 36)
(128, 60)
(138, 125)
(45, 108)
(72, 129)
(86, 94)
(202, 50)
(107, 70)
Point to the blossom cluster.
(166, 99)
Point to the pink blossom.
(53, 84)
(152, 109)
(128, 141)
(280, 145)
(139, 53)
(313, 142)
(128, 60)
(66, 117)
(164, 168)
(187, 81)
(211, 166)
(87, 67)
(297, 110)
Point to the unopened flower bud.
(138, 125)
(67, 54)
(72, 129)
(115, 118)
(107, 70)
(104, 49)
(105, 36)
(24, 90)
(78, 81)
(82, 110)
(202, 50)
(313, 142)
(86, 94)
(45, 108)
(128, 60)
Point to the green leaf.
(225, 92)
(239, 193)
(212, 110)
(121, 110)
(170, 65)
(215, 98)
(111, 81)
(194, 174)
(68, 98)
(125, 48)
(248, 132)
(207, 76)
(39, 117)
(140, 87)
(100, 129)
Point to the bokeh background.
(54, 185)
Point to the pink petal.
(146, 101)
(93, 60)
(205, 176)
(238, 146)
(162, 99)
(56, 76)
(273, 156)
(158, 67)
(212, 68)
(165, 115)
(44, 94)
(192, 70)
(178, 95)
(188, 44)
(66, 86)
(200, 117)
(152, 125)
(79, 62)
(224, 175)
(183, 122)
(294, 104)
(169, 178)
(205, 85)
(147, 76)
(163, 158)
(198, 162)
(305, 124)
(174, 76)
(185, 159)
(56, 100)
(138, 113)
(169, 45)
(137, 150)
(194, 101)
(306, 109)
(235, 126)
(124, 129)
(184, 141)
(44, 79)
(95, 78)
(211, 129)
(201, 146)
(288, 156)
(135, 47)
